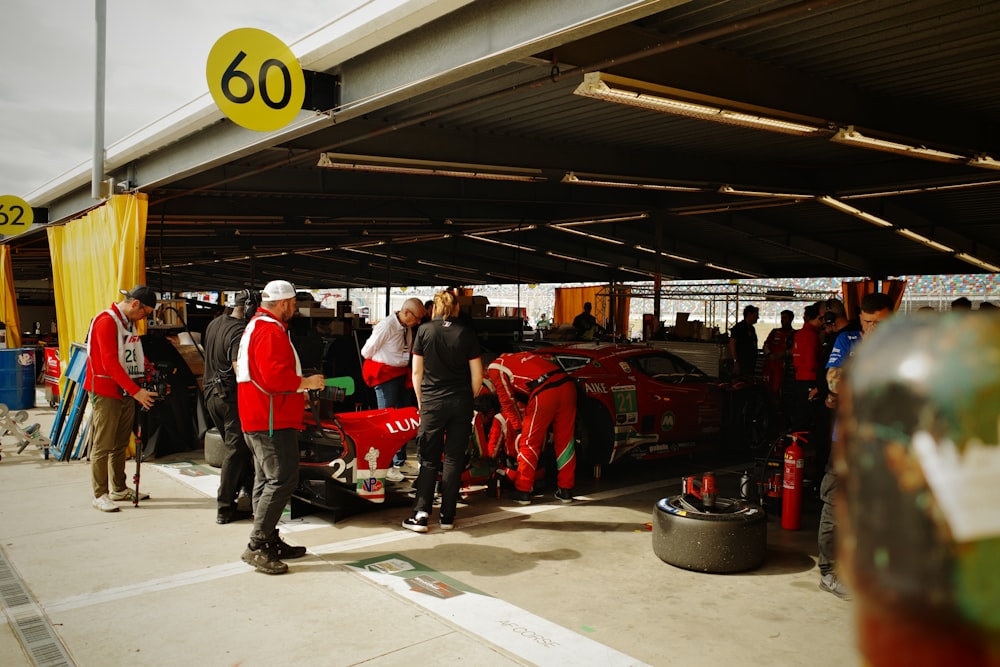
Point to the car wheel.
(595, 434)
(733, 538)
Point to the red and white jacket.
(268, 376)
(114, 355)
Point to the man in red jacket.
(549, 395)
(808, 361)
(270, 390)
(115, 361)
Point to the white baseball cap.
(278, 290)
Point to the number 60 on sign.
(255, 79)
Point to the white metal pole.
(97, 173)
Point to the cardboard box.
(473, 305)
(318, 312)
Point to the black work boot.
(285, 550)
(265, 558)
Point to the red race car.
(643, 402)
(347, 454)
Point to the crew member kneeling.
(549, 395)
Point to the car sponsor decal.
(626, 368)
(667, 421)
(369, 483)
(399, 426)
(626, 404)
(595, 387)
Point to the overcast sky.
(156, 56)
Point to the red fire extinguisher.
(791, 498)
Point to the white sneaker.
(127, 494)
(394, 474)
(105, 504)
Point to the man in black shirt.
(222, 341)
(743, 343)
(585, 323)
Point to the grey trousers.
(827, 524)
(276, 474)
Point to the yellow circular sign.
(16, 215)
(255, 79)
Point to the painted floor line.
(229, 569)
(510, 628)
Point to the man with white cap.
(115, 362)
(270, 390)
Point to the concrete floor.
(547, 584)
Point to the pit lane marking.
(392, 535)
(506, 626)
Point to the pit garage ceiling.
(459, 153)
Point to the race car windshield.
(666, 368)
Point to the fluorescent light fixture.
(631, 92)
(920, 238)
(515, 246)
(505, 276)
(582, 260)
(975, 261)
(447, 267)
(984, 161)
(598, 221)
(679, 258)
(357, 249)
(423, 238)
(730, 269)
(849, 135)
(407, 167)
(856, 212)
(572, 178)
(918, 189)
(596, 237)
(506, 230)
(729, 190)
(638, 272)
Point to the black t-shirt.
(446, 345)
(746, 346)
(222, 340)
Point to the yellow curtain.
(92, 258)
(8, 300)
(569, 303)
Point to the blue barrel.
(17, 378)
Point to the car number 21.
(340, 471)
(626, 404)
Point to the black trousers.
(442, 443)
(237, 462)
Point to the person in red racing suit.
(495, 438)
(549, 395)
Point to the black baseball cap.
(145, 294)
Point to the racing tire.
(215, 451)
(731, 539)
